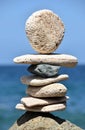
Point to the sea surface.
(12, 90)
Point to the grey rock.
(44, 70)
(42, 121)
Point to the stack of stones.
(45, 31)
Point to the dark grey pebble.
(44, 70)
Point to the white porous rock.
(51, 90)
(54, 59)
(34, 80)
(45, 31)
(47, 108)
(31, 101)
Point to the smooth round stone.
(44, 70)
(48, 108)
(54, 59)
(45, 31)
(31, 101)
(34, 80)
(52, 90)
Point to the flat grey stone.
(54, 59)
(44, 70)
(31, 101)
(47, 108)
(42, 121)
(45, 31)
(34, 80)
(52, 90)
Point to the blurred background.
(13, 42)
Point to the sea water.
(12, 90)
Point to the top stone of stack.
(45, 31)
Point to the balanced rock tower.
(45, 93)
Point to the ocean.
(12, 90)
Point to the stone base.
(42, 121)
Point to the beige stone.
(31, 101)
(45, 31)
(55, 59)
(34, 80)
(48, 108)
(52, 90)
(42, 121)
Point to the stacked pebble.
(45, 31)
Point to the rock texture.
(42, 121)
(31, 101)
(54, 59)
(45, 30)
(47, 108)
(44, 70)
(51, 90)
(34, 80)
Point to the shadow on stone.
(42, 121)
(30, 115)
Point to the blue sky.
(13, 15)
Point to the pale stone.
(34, 80)
(48, 108)
(52, 90)
(54, 59)
(45, 31)
(31, 101)
(42, 121)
